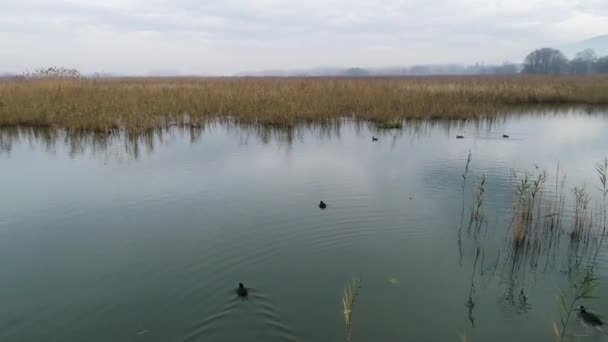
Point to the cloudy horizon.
(232, 36)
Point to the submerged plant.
(470, 304)
(348, 301)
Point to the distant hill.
(599, 44)
(414, 70)
(358, 72)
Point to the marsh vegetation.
(137, 104)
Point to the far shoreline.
(136, 104)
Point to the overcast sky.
(228, 36)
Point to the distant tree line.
(550, 61)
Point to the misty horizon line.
(410, 69)
(297, 71)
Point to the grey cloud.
(597, 7)
(326, 30)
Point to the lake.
(118, 238)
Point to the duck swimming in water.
(374, 138)
(242, 291)
(459, 136)
(505, 136)
(589, 317)
(322, 205)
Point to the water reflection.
(121, 144)
(117, 143)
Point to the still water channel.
(111, 238)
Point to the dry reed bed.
(141, 103)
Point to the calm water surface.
(111, 239)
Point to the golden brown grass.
(351, 291)
(141, 103)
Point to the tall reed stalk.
(463, 186)
(582, 213)
(602, 170)
(528, 209)
(477, 212)
(351, 291)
